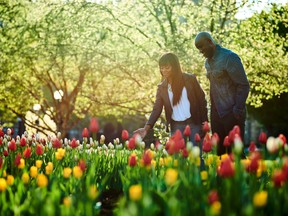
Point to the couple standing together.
(184, 99)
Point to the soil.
(109, 200)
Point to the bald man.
(229, 88)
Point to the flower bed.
(72, 177)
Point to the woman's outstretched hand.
(142, 131)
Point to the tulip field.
(54, 176)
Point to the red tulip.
(213, 196)
(206, 127)
(132, 161)
(17, 159)
(215, 139)
(56, 143)
(27, 152)
(262, 138)
(283, 138)
(278, 178)
(1, 141)
(147, 158)
(207, 144)
(197, 138)
(226, 141)
(237, 130)
(252, 147)
(231, 136)
(94, 126)
(73, 143)
(12, 146)
(226, 168)
(43, 141)
(187, 131)
(1, 133)
(82, 165)
(179, 141)
(23, 142)
(39, 149)
(85, 133)
(285, 168)
(132, 143)
(125, 135)
(157, 144)
(175, 143)
(185, 153)
(5, 153)
(254, 162)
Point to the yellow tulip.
(209, 160)
(204, 175)
(25, 178)
(153, 163)
(39, 163)
(77, 172)
(224, 156)
(67, 172)
(171, 176)
(135, 192)
(168, 161)
(49, 168)
(10, 180)
(42, 180)
(67, 201)
(22, 164)
(93, 192)
(3, 184)
(33, 171)
(161, 161)
(260, 198)
(60, 154)
(216, 208)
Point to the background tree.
(268, 102)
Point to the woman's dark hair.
(177, 79)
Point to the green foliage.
(261, 44)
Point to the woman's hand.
(142, 131)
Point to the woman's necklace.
(169, 87)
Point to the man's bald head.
(205, 44)
(204, 36)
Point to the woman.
(182, 97)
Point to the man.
(229, 88)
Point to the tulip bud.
(102, 139)
(189, 146)
(262, 138)
(238, 145)
(187, 131)
(125, 135)
(195, 151)
(206, 127)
